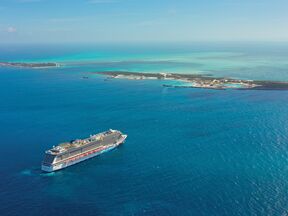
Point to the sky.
(59, 21)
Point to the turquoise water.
(189, 151)
(248, 61)
(234, 85)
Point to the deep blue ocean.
(188, 151)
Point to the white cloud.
(11, 29)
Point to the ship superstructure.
(70, 153)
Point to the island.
(29, 65)
(199, 81)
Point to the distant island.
(29, 65)
(199, 81)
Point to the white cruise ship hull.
(81, 157)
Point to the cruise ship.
(70, 153)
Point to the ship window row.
(75, 152)
(88, 148)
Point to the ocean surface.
(188, 151)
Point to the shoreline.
(198, 81)
(29, 65)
